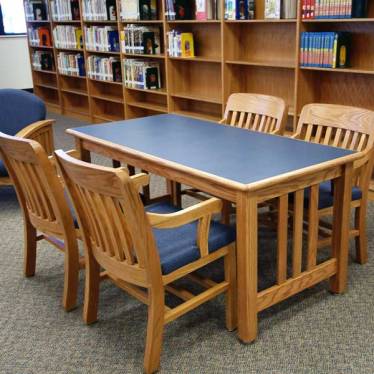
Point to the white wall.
(15, 70)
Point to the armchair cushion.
(177, 247)
(19, 109)
(326, 197)
(3, 170)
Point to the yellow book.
(187, 45)
(79, 38)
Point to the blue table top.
(235, 154)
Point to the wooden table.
(246, 168)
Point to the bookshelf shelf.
(136, 55)
(207, 99)
(196, 59)
(72, 76)
(36, 22)
(154, 107)
(110, 98)
(290, 20)
(337, 20)
(106, 82)
(141, 22)
(161, 91)
(70, 49)
(103, 52)
(274, 64)
(40, 47)
(52, 72)
(194, 21)
(340, 70)
(106, 22)
(67, 22)
(75, 92)
(49, 86)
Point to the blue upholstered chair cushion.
(3, 170)
(326, 197)
(19, 109)
(177, 247)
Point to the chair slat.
(256, 122)
(346, 139)
(262, 124)
(361, 144)
(308, 135)
(328, 134)
(248, 121)
(317, 138)
(354, 141)
(233, 118)
(241, 119)
(337, 137)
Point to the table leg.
(340, 233)
(84, 154)
(174, 190)
(247, 231)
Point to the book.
(44, 37)
(130, 10)
(201, 12)
(79, 38)
(152, 78)
(272, 9)
(183, 9)
(141, 74)
(359, 8)
(241, 9)
(230, 9)
(141, 40)
(39, 9)
(187, 45)
(75, 10)
(111, 11)
(289, 9)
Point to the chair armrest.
(202, 212)
(222, 121)
(40, 131)
(140, 180)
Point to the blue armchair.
(23, 114)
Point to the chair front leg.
(30, 239)
(71, 269)
(91, 289)
(231, 293)
(361, 239)
(155, 329)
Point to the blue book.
(113, 39)
(241, 9)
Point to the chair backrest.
(256, 112)
(112, 220)
(39, 190)
(337, 125)
(340, 126)
(18, 109)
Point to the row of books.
(42, 60)
(71, 64)
(180, 44)
(68, 37)
(142, 74)
(102, 38)
(239, 9)
(39, 37)
(65, 10)
(104, 68)
(325, 49)
(334, 9)
(139, 10)
(99, 10)
(193, 9)
(36, 10)
(140, 40)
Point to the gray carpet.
(314, 332)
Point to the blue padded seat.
(177, 247)
(326, 197)
(19, 109)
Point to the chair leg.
(361, 239)
(29, 264)
(91, 290)
(155, 329)
(231, 293)
(71, 268)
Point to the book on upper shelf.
(272, 9)
(137, 10)
(36, 10)
(99, 10)
(192, 10)
(65, 10)
(239, 9)
(333, 9)
(325, 49)
(289, 9)
(67, 36)
(71, 64)
(142, 74)
(102, 38)
(104, 68)
(137, 39)
(39, 36)
(180, 44)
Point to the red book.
(44, 37)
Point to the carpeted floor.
(314, 332)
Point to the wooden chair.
(256, 112)
(350, 128)
(141, 257)
(22, 114)
(44, 207)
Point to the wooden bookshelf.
(259, 55)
